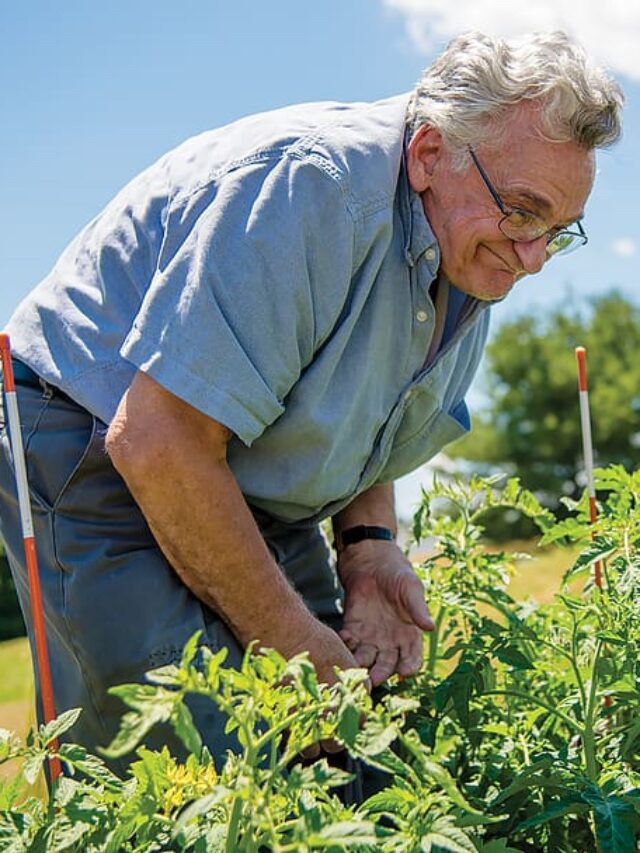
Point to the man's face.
(549, 179)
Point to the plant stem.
(572, 724)
(576, 668)
(232, 831)
(434, 642)
(588, 738)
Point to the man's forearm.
(208, 534)
(175, 465)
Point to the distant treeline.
(11, 622)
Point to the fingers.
(403, 659)
(414, 603)
(410, 658)
(366, 654)
(384, 667)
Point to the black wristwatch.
(362, 531)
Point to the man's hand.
(326, 649)
(385, 610)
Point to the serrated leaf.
(348, 832)
(32, 766)
(348, 721)
(393, 800)
(374, 738)
(151, 705)
(92, 766)
(498, 845)
(60, 725)
(564, 806)
(190, 650)
(183, 725)
(10, 745)
(616, 821)
(513, 657)
(535, 776)
(200, 807)
(65, 833)
(449, 839)
(168, 675)
(429, 769)
(569, 528)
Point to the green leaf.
(447, 838)
(32, 766)
(559, 808)
(10, 745)
(190, 650)
(184, 727)
(348, 721)
(78, 757)
(429, 769)
(498, 845)
(569, 528)
(393, 800)
(374, 738)
(151, 705)
(513, 657)
(60, 725)
(348, 832)
(538, 775)
(616, 821)
(168, 675)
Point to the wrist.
(351, 536)
(370, 558)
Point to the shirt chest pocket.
(424, 430)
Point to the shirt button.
(430, 254)
(421, 316)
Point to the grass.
(17, 695)
(16, 683)
(540, 575)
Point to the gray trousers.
(114, 607)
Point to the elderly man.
(265, 329)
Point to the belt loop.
(47, 390)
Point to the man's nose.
(532, 254)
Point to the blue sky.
(91, 93)
(94, 92)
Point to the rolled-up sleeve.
(254, 270)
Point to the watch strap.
(363, 531)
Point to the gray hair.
(477, 80)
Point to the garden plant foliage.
(530, 422)
(521, 732)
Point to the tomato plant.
(520, 733)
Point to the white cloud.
(625, 247)
(610, 32)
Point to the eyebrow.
(541, 203)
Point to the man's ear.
(425, 150)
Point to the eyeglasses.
(522, 226)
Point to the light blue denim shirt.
(274, 274)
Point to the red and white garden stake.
(581, 356)
(35, 592)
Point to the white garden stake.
(581, 356)
(35, 592)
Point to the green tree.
(531, 423)
(11, 622)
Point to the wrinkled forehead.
(553, 177)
